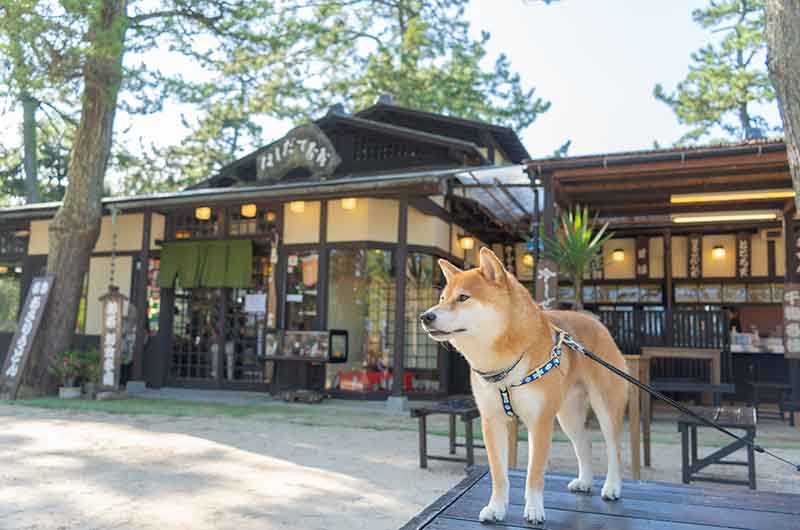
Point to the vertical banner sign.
(111, 337)
(797, 251)
(694, 255)
(791, 320)
(642, 257)
(547, 284)
(19, 351)
(743, 255)
(596, 266)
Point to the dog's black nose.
(427, 317)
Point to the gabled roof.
(461, 127)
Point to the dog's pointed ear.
(491, 267)
(448, 269)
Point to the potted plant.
(90, 371)
(66, 365)
(578, 239)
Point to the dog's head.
(478, 306)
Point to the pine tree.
(726, 78)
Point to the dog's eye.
(441, 299)
(463, 298)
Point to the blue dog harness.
(562, 338)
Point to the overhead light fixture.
(527, 260)
(349, 203)
(297, 206)
(537, 181)
(248, 211)
(203, 213)
(466, 242)
(270, 216)
(725, 217)
(718, 252)
(618, 255)
(3, 269)
(183, 234)
(726, 196)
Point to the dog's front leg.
(495, 437)
(539, 438)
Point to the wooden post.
(400, 258)
(111, 338)
(140, 297)
(634, 417)
(513, 442)
(668, 292)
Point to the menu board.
(759, 293)
(735, 293)
(686, 293)
(791, 320)
(651, 294)
(628, 293)
(710, 294)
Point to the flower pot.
(69, 392)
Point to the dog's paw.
(492, 512)
(612, 491)
(580, 485)
(534, 511)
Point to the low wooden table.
(735, 418)
(644, 506)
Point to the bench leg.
(468, 443)
(751, 462)
(423, 442)
(452, 434)
(693, 443)
(685, 454)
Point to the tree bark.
(783, 41)
(31, 164)
(74, 230)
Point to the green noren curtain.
(206, 264)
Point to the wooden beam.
(400, 257)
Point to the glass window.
(261, 220)
(361, 299)
(302, 276)
(187, 225)
(10, 287)
(423, 277)
(153, 297)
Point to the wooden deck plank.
(475, 499)
(439, 505)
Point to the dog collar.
(496, 377)
(553, 362)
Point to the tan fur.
(492, 329)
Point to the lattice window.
(195, 344)
(263, 222)
(422, 279)
(187, 225)
(12, 244)
(377, 148)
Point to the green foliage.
(70, 366)
(578, 239)
(727, 77)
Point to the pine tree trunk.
(76, 226)
(29, 106)
(783, 40)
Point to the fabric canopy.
(206, 264)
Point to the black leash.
(757, 448)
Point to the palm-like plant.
(578, 238)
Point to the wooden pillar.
(634, 417)
(140, 299)
(322, 271)
(400, 257)
(668, 290)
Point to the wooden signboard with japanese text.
(30, 318)
(743, 255)
(304, 147)
(694, 257)
(791, 320)
(642, 257)
(111, 338)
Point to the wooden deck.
(644, 505)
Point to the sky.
(596, 61)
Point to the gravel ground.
(340, 465)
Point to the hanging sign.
(642, 257)
(112, 304)
(20, 348)
(791, 320)
(743, 255)
(304, 147)
(547, 284)
(694, 256)
(596, 266)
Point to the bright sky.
(595, 60)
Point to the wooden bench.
(739, 418)
(784, 396)
(467, 410)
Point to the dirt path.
(67, 470)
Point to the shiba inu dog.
(504, 335)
